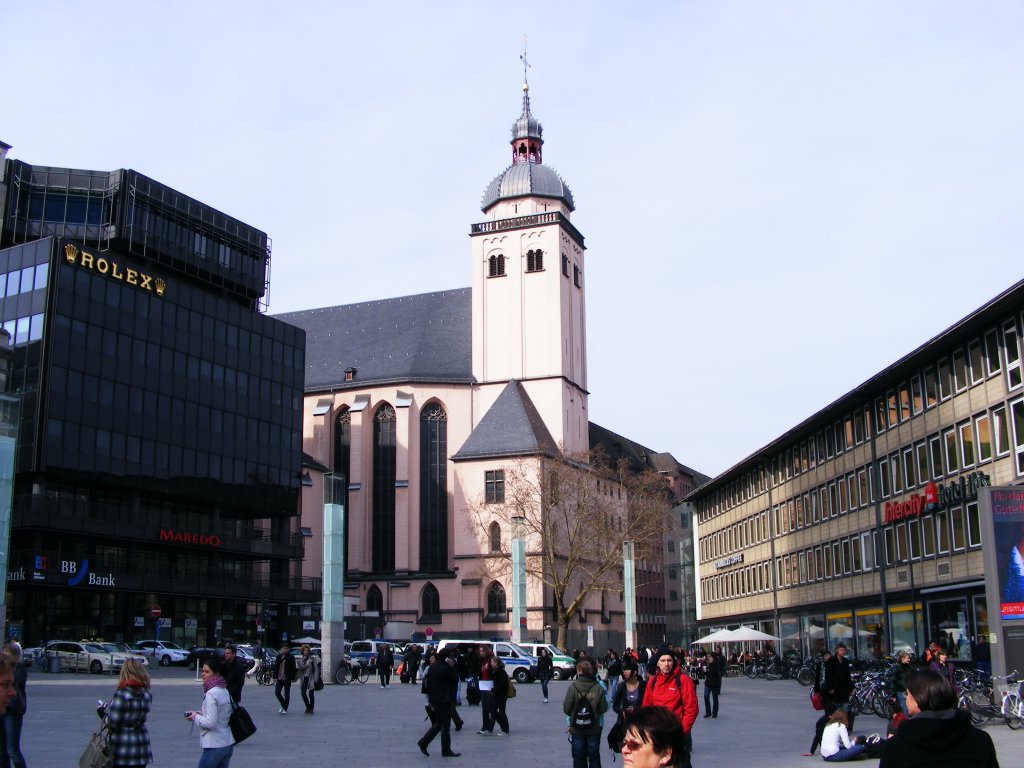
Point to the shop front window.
(901, 628)
(840, 630)
(789, 631)
(812, 632)
(870, 634)
(947, 626)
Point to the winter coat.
(125, 716)
(838, 683)
(308, 669)
(944, 739)
(213, 720)
(676, 693)
(289, 667)
(586, 686)
(440, 683)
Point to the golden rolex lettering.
(130, 277)
(114, 270)
(71, 253)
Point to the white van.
(563, 667)
(521, 666)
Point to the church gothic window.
(496, 265)
(494, 534)
(383, 516)
(375, 600)
(433, 488)
(496, 601)
(430, 604)
(534, 260)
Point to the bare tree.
(575, 512)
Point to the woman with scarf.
(125, 717)
(214, 734)
(308, 667)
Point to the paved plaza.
(761, 723)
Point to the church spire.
(527, 131)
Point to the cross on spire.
(526, 65)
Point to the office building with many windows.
(159, 449)
(861, 524)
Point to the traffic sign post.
(155, 611)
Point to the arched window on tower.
(565, 265)
(383, 516)
(494, 534)
(433, 488)
(496, 602)
(375, 600)
(496, 265)
(534, 260)
(430, 604)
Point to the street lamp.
(518, 579)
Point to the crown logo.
(71, 252)
(160, 285)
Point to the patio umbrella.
(306, 639)
(721, 636)
(745, 634)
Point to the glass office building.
(159, 450)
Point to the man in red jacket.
(672, 689)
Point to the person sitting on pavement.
(836, 744)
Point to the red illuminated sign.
(193, 539)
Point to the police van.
(562, 667)
(520, 665)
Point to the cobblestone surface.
(760, 723)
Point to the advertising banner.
(1008, 528)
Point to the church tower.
(529, 322)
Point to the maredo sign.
(937, 497)
(185, 537)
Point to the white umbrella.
(748, 634)
(307, 640)
(721, 636)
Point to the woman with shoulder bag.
(125, 717)
(214, 732)
(308, 667)
(628, 696)
(10, 727)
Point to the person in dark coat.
(838, 684)
(125, 717)
(713, 682)
(385, 663)
(499, 696)
(284, 675)
(439, 683)
(938, 733)
(233, 672)
(545, 671)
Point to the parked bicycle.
(350, 671)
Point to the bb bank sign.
(937, 496)
(72, 573)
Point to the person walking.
(838, 683)
(670, 688)
(215, 737)
(613, 668)
(819, 688)
(486, 687)
(584, 706)
(499, 696)
(898, 679)
(233, 672)
(545, 671)
(125, 717)
(628, 696)
(11, 720)
(385, 663)
(259, 657)
(284, 675)
(440, 683)
(308, 668)
(713, 682)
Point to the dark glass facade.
(159, 452)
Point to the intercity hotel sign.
(937, 496)
(113, 270)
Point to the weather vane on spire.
(526, 64)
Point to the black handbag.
(318, 684)
(240, 722)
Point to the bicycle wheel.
(805, 677)
(363, 674)
(979, 706)
(1012, 711)
(343, 676)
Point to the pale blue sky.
(778, 198)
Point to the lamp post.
(629, 592)
(518, 579)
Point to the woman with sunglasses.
(654, 739)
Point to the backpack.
(583, 714)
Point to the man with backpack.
(584, 706)
(668, 687)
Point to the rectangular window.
(823, 562)
(914, 534)
(931, 388)
(921, 458)
(833, 503)
(973, 525)
(837, 558)
(942, 531)
(928, 535)
(981, 426)
(974, 358)
(992, 362)
(867, 548)
(799, 512)
(959, 528)
(879, 416)
(945, 379)
(803, 568)
(791, 509)
(1017, 415)
(967, 445)
(843, 500)
(862, 481)
(1012, 354)
(890, 546)
(960, 370)
(893, 410)
(883, 478)
(904, 402)
(855, 550)
(935, 443)
(909, 466)
(952, 454)
(494, 486)
(897, 475)
(901, 542)
(916, 395)
(851, 483)
(1001, 431)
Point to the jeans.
(586, 751)
(850, 753)
(10, 742)
(216, 757)
(710, 694)
(458, 691)
(544, 685)
(485, 709)
(283, 691)
(308, 694)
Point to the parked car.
(519, 664)
(163, 651)
(79, 656)
(200, 652)
(126, 651)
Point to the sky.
(779, 199)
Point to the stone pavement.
(761, 723)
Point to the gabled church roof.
(511, 427)
(422, 338)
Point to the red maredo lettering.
(193, 539)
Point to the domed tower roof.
(527, 176)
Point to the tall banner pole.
(629, 591)
(333, 610)
(518, 580)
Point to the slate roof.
(511, 427)
(640, 457)
(422, 338)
